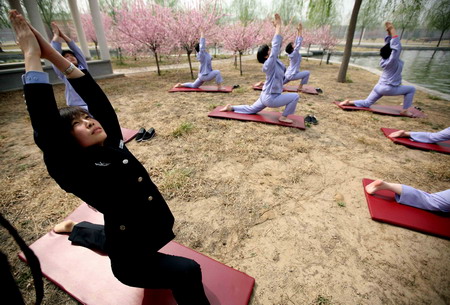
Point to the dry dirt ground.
(283, 205)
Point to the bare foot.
(259, 84)
(300, 88)
(405, 112)
(346, 103)
(219, 87)
(228, 107)
(399, 134)
(285, 120)
(64, 227)
(375, 186)
(178, 85)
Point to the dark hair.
(68, 114)
(197, 47)
(289, 48)
(263, 51)
(385, 51)
(67, 52)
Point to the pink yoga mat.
(443, 147)
(384, 208)
(86, 275)
(128, 134)
(306, 89)
(225, 89)
(262, 117)
(385, 109)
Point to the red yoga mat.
(384, 208)
(86, 275)
(225, 89)
(128, 134)
(385, 109)
(443, 147)
(305, 89)
(262, 117)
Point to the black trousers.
(155, 271)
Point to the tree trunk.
(348, 44)
(157, 62)
(328, 58)
(235, 60)
(440, 38)
(401, 34)
(307, 52)
(190, 63)
(240, 62)
(361, 36)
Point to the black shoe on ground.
(314, 120)
(308, 119)
(235, 86)
(149, 134)
(319, 90)
(140, 134)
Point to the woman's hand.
(47, 50)
(25, 37)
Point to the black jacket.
(137, 219)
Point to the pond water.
(428, 69)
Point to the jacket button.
(125, 161)
(122, 228)
(140, 179)
(150, 198)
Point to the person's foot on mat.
(405, 112)
(259, 84)
(148, 134)
(64, 227)
(228, 107)
(140, 134)
(345, 103)
(285, 120)
(179, 85)
(375, 186)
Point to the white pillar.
(15, 5)
(35, 19)
(79, 27)
(99, 31)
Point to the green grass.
(322, 300)
(183, 129)
(341, 204)
(348, 79)
(434, 97)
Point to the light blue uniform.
(391, 78)
(72, 98)
(433, 202)
(206, 72)
(273, 87)
(431, 137)
(295, 58)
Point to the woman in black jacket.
(87, 157)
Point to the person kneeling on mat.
(391, 78)
(87, 157)
(408, 195)
(423, 137)
(206, 72)
(273, 87)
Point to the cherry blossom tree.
(239, 38)
(188, 25)
(146, 25)
(326, 40)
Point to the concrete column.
(15, 5)
(99, 31)
(79, 27)
(34, 15)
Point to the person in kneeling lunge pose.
(424, 137)
(391, 78)
(408, 195)
(206, 72)
(295, 58)
(86, 156)
(273, 87)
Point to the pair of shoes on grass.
(144, 135)
(311, 119)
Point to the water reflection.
(430, 69)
